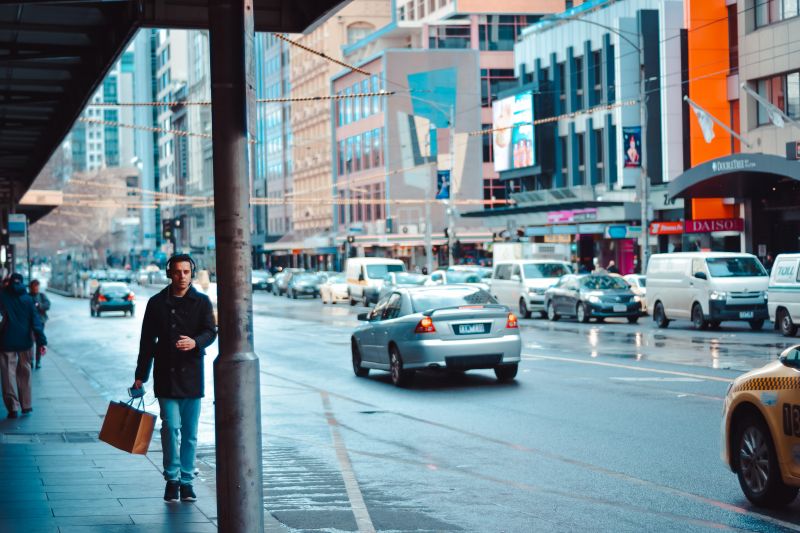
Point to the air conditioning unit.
(408, 229)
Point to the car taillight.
(129, 297)
(512, 321)
(425, 326)
(102, 298)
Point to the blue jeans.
(179, 416)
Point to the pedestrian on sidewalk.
(178, 325)
(20, 325)
(42, 304)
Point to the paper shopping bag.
(127, 428)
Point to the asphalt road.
(608, 427)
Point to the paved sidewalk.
(57, 477)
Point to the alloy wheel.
(754, 459)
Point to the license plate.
(471, 329)
(745, 314)
(620, 308)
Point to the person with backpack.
(42, 304)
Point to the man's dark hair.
(35, 282)
(16, 277)
(181, 258)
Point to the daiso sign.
(711, 225)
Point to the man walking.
(42, 304)
(21, 323)
(178, 325)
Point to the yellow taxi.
(761, 430)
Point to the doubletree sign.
(711, 225)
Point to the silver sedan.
(453, 327)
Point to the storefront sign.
(621, 231)
(719, 224)
(732, 165)
(589, 229)
(558, 239)
(573, 215)
(666, 228)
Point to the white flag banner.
(775, 116)
(705, 121)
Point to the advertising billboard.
(513, 140)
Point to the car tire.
(758, 469)
(659, 316)
(786, 324)
(506, 372)
(581, 313)
(756, 324)
(358, 370)
(698, 320)
(352, 302)
(551, 312)
(400, 377)
(132, 312)
(91, 310)
(365, 300)
(633, 319)
(523, 309)
(97, 313)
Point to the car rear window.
(115, 290)
(463, 276)
(405, 278)
(452, 297)
(545, 270)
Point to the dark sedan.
(590, 296)
(112, 296)
(304, 284)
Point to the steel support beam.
(240, 501)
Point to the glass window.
(502, 272)
(437, 298)
(349, 158)
(357, 153)
(380, 271)
(793, 95)
(733, 267)
(376, 100)
(393, 306)
(356, 103)
(365, 100)
(545, 270)
(449, 37)
(348, 106)
(790, 9)
(377, 148)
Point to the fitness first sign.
(712, 225)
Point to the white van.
(365, 277)
(784, 293)
(522, 282)
(707, 288)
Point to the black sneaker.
(27, 411)
(187, 494)
(171, 493)
(13, 414)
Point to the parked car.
(783, 302)
(365, 277)
(707, 288)
(334, 289)
(112, 296)
(522, 283)
(588, 296)
(304, 284)
(451, 277)
(760, 425)
(282, 280)
(261, 280)
(453, 327)
(401, 280)
(638, 284)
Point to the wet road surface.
(608, 427)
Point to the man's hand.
(42, 350)
(185, 343)
(137, 384)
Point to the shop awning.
(736, 176)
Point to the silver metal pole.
(428, 200)
(644, 181)
(451, 230)
(240, 493)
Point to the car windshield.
(545, 270)
(734, 267)
(407, 278)
(380, 271)
(450, 297)
(307, 278)
(463, 276)
(599, 283)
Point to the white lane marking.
(628, 367)
(357, 504)
(686, 380)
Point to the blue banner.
(443, 185)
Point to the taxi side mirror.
(791, 356)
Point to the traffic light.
(166, 228)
